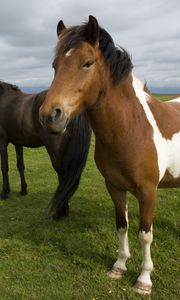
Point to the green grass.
(165, 97)
(42, 259)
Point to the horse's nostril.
(55, 115)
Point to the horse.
(19, 125)
(137, 136)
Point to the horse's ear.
(60, 27)
(92, 30)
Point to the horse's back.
(175, 105)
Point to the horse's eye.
(88, 64)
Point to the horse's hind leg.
(21, 168)
(119, 199)
(146, 199)
(4, 169)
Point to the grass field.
(44, 260)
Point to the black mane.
(118, 58)
(9, 86)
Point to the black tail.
(75, 149)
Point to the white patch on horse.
(139, 83)
(167, 149)
(147, 264)
(123, 250)
(175, 100)
(69, 52)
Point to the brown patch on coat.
(167, 116)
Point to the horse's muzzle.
(55, 121)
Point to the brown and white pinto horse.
(137, 136)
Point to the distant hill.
(156, 90)
(33, 89)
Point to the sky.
(148, 29)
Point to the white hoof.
(115, 273)
(142, 288)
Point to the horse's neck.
(33, 103)
(115, 114)
(28, 112)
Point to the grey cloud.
(149, 30)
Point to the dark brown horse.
(137, 136)
(19, 125)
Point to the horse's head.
(77, 78)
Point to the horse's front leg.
(121, 210)
(147, 199)
(4, 168)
